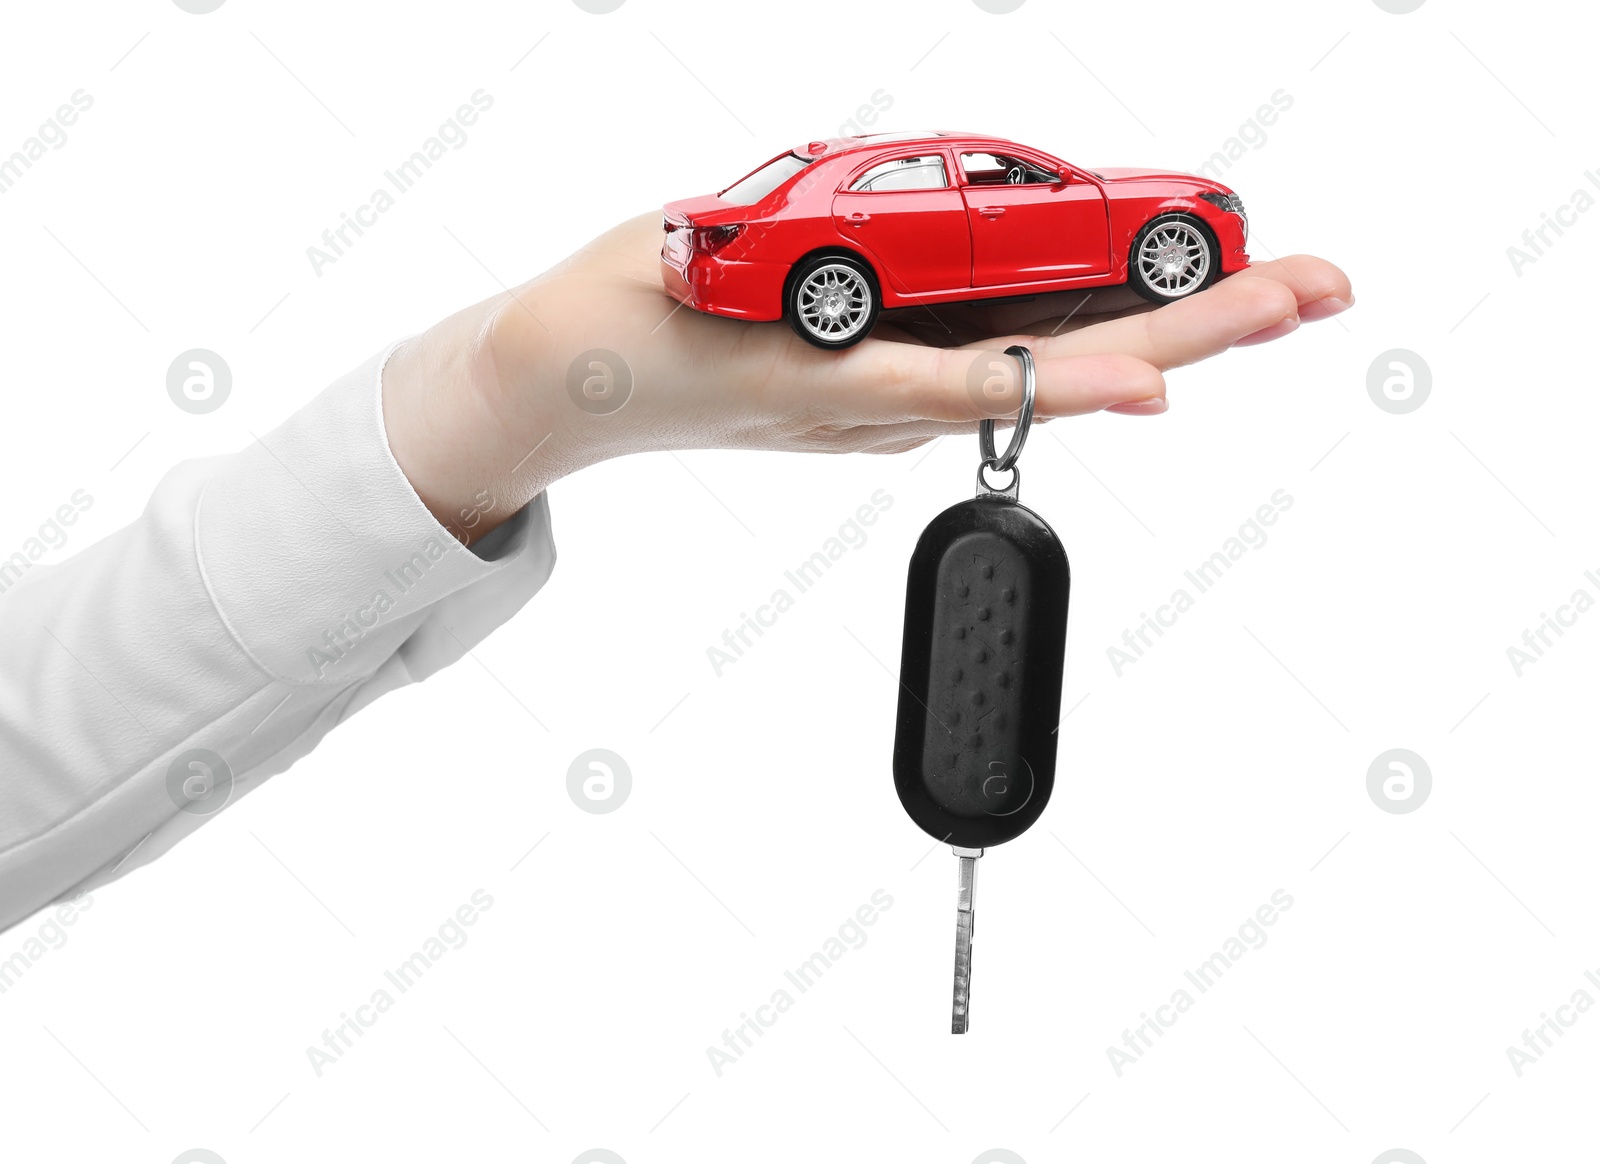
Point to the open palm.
(502, 396)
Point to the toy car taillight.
(708, 240)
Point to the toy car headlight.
(1229, 202)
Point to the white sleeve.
(260, 599)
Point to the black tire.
(832, 301)
(1169, 238)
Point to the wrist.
(487, 408)
(443, 434)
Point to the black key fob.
(981, 669)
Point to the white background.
(1229, 762)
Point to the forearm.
(259, 600)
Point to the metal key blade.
(964, 920)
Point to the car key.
(980, 674)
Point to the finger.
(1186, 331)
(902, 437)
(878, 382)
(896, 438)
(1320, 288)
(1267, 335)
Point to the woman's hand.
(594, 360)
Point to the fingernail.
(1323, 308)
(1276, 331)
(1139, 407)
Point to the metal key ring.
(1019, 436)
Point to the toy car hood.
(1141, 174)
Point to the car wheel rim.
(1174, 259)
(834, 302)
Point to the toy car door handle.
(858, 217)
(991, 211)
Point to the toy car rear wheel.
(832, 301)
(1172, 257)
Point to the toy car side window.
(917, 173)
(984, 169)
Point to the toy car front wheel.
(832, 301)
(1173, 256)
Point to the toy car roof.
(834, 146)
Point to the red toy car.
(827, 235)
